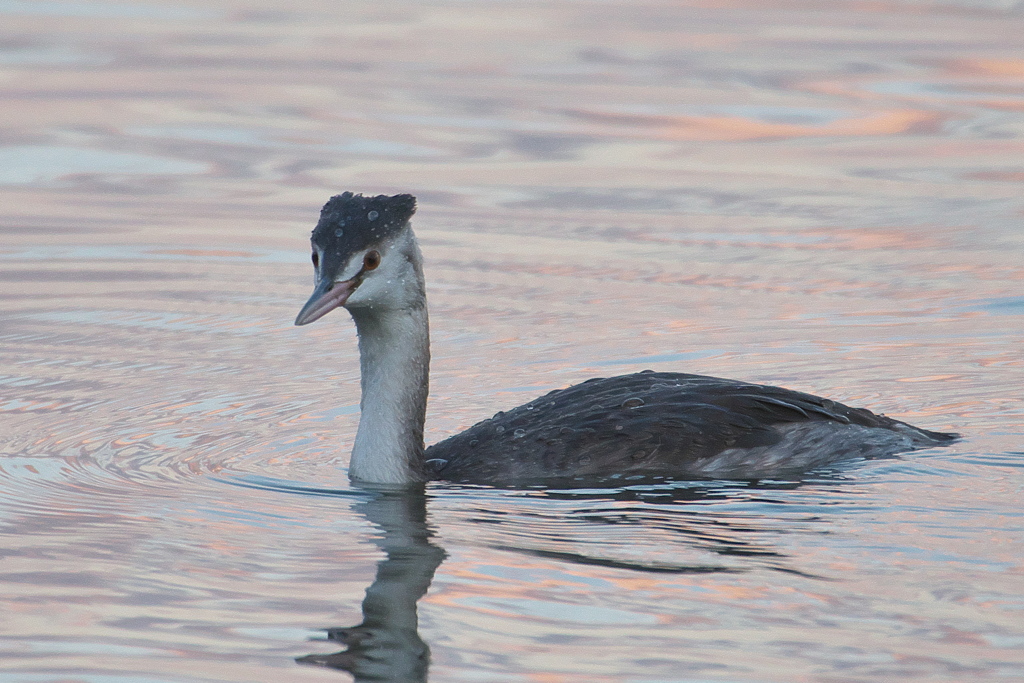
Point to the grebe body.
(366, 259)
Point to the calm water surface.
(821, 194)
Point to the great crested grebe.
(649, 424)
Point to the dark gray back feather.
(649, 422)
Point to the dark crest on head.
(351, 222)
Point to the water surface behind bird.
(820, 195)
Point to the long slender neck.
(394, 358)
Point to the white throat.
(394, 359)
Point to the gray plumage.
(667, 423)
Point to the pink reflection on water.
(820, 195)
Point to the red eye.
(316, 260)
(371, 260)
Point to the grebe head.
(364, 256)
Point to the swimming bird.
(366, 259)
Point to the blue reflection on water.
(49, 54)
(554, 611)
(945, 91)
(1004, 305)
(662, 358)
(280, 138)
(31, 164)
(49, 253)
(100, 10)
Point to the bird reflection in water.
(386, 645)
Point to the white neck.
(394, 359)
